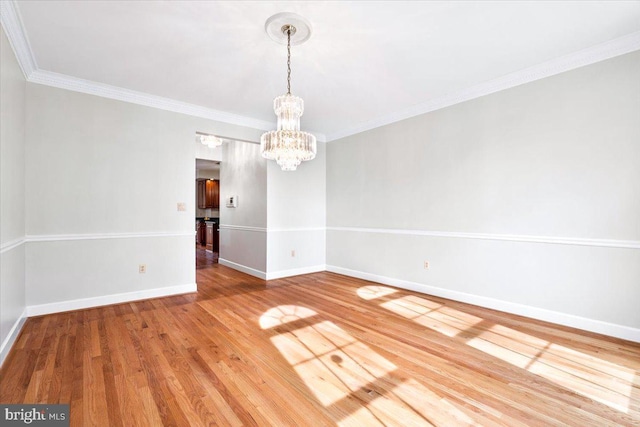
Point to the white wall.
(104, 178)
(207, 153)
(243, 239)
(296, 217)
(12, 197)
(278, 212)
(208, 174)
(469, 187)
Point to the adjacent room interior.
(321, 213)
(207, 216)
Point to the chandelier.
(210, 141)
(288, 145)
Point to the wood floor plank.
(318, 350)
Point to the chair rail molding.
(12, 244)
(626, 244)
(102, 236)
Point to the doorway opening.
(207, 219)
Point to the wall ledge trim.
(102, 236)
(625, 244)
(12, 244)
(82, 303)
(243, 268)
(12, 337)
(296, 272)
(565, 319)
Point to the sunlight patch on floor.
(556, 364)
(355, 382)
(430, 405)
(437, 317)
(373, 292)
(586, 375)
(284, 314)
(332, 363)
(411, 306)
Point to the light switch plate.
(232, 201)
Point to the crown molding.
(75, 84)
(591, 55)
(13, 27)
(12, 23)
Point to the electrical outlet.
(293, 253)
(426, 265)
(142, 268)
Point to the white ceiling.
(365, 63)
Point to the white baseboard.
(250, 271)
(296, 272)
(12, 337)
(78, 304)
(598, 326)
(274, 275)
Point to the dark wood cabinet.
(201, 233)
(208, 235)
(214, 191)
(209, 246)
(212, 237)
(208, 194)
(201, 194)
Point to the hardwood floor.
(205, 259)
(315, 350)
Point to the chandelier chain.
(289, 61)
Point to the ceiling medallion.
(288, 145)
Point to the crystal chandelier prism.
(288, 145)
